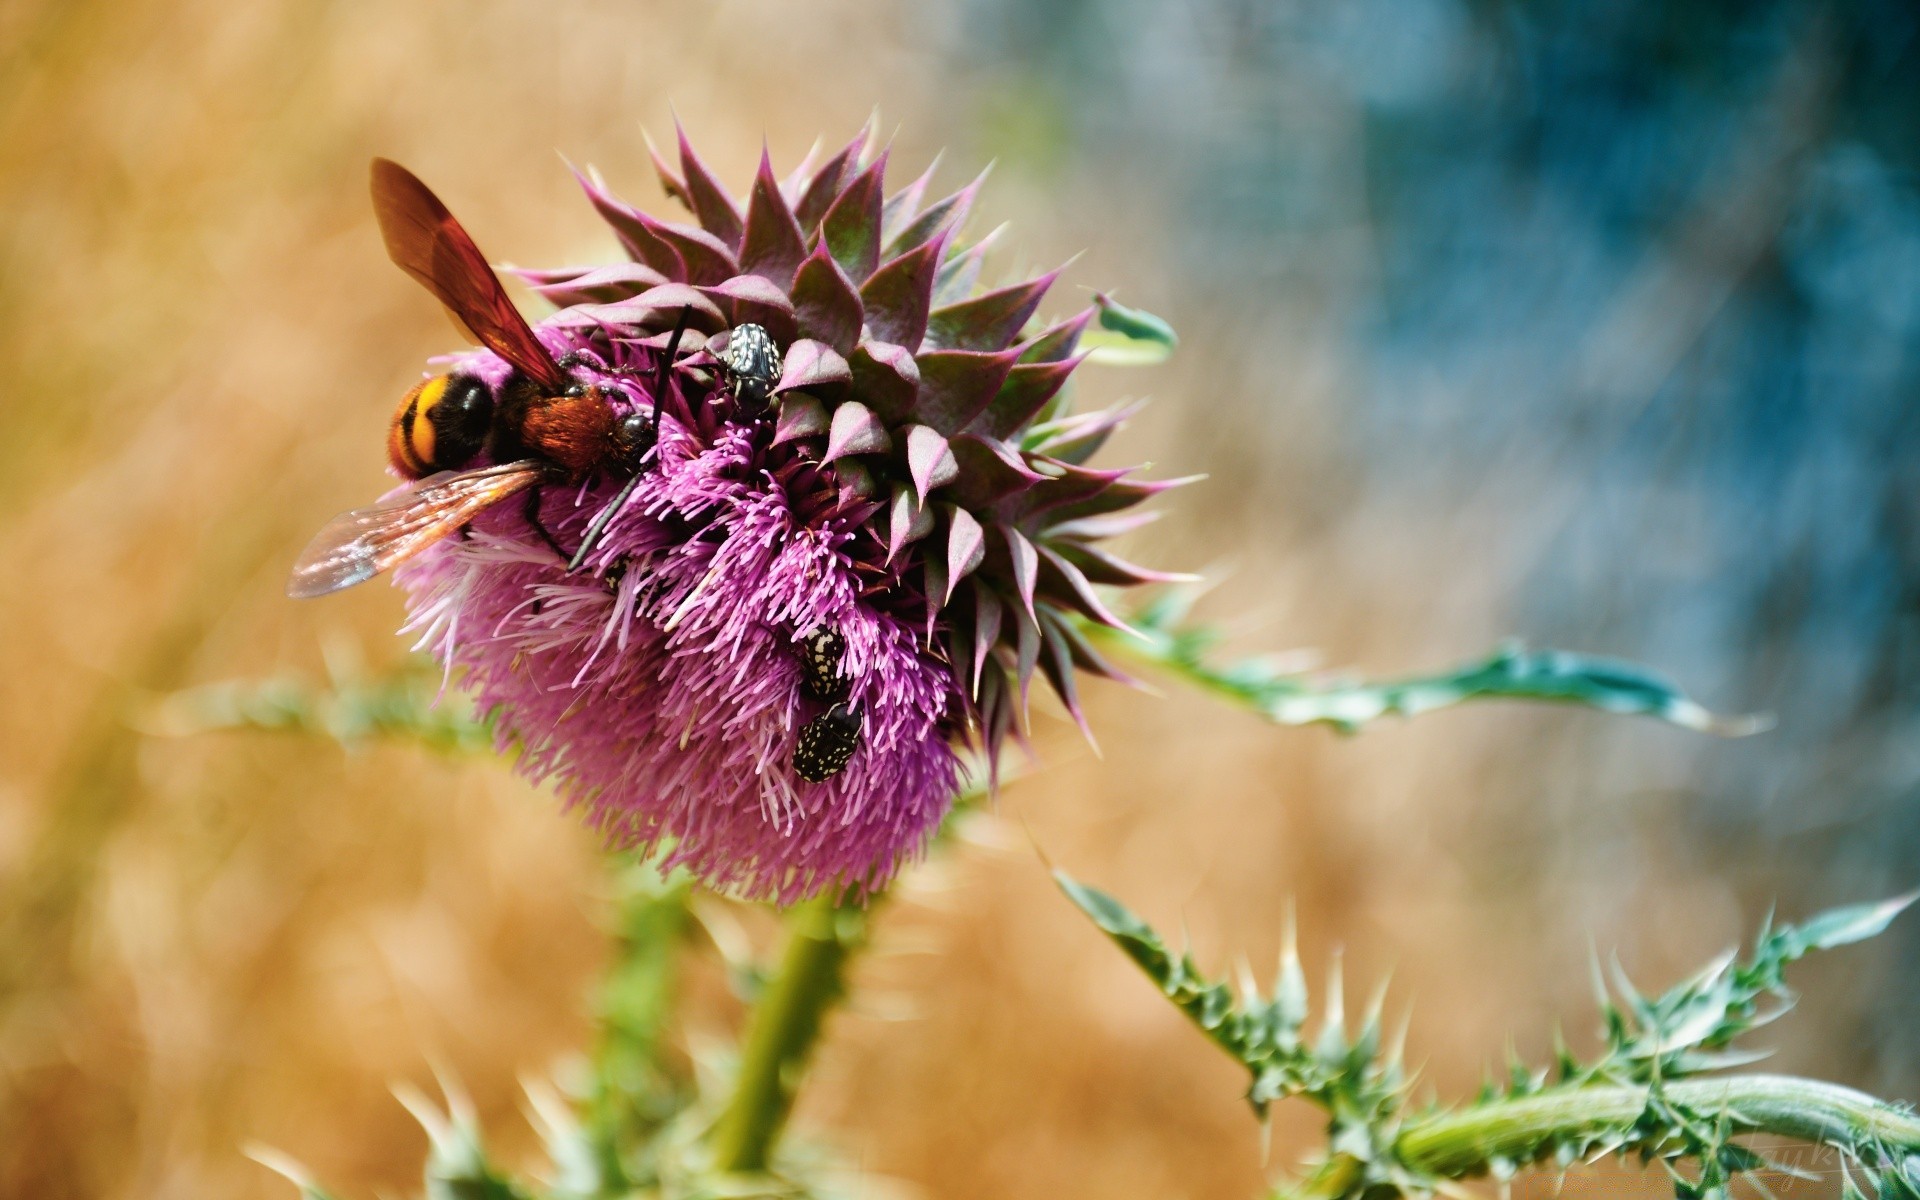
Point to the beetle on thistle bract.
(752, 364)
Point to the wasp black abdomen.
(441, 425)
(460, 420)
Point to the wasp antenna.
(599, 525)
(664, 371)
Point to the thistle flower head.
(866, 524)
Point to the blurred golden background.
(216, 940)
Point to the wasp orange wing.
(355, 546)
(426, 242)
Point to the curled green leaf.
(1127, 337)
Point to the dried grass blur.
(211, 941)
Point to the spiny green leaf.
(1855, 923)
(1114, 919)
(1510, 673)
(1341, 1074)
(406, 704)
(1162, 639)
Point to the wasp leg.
(532, 513)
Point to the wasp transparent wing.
(355, 546)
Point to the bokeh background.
(1597, 324)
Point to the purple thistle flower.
(904, 489)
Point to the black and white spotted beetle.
(827, 743)
(820, 653)
(752, 362)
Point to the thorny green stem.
(1456, 1145)
(782, 1031)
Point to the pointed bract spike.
(811, 364)
(943, 218)
(771, 243)
(802, 171)
(1117, 496)
(670, 181)
(1056, 663)
(1058, 342)
(1063, 584)
(987, 614)
(929, 460)
(800, 416)
(646, 308)
(1025, 561)
(934, 583)
(755, 300)
(990, 471)
(956, 386)
(1101, 567)
(870, 148)
(715, 209)
(539, 277)
(856, 483)
(887, 378)
(966, 547)
(641, 243)
(1028, 387)
(1093, 662)
(904, 205)
(1075, 439)
(827, 183)
(855, 430)
(1064, 487)
(960, 274)
(908, 520)
(708, 259)
(991, 320)
(826, 303)
(851, 228)
(898, 295)
(996, 716)
(1026, 650)
(598, 285)
(1091, 529)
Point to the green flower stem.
(781, 1034)
(1456, 1145)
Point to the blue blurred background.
(1624, 305)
